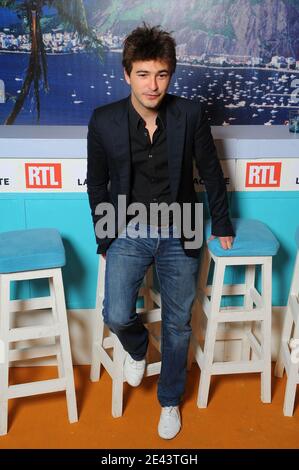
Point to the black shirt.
(150, 176)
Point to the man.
(143, 147)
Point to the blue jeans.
(127, 261)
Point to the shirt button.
(155, 200)
(150, 156)
(152, 180)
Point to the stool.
(254, 245)
(106, 347)
(290, 341)
(24, 255)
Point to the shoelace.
(169, 409)
(136, 364)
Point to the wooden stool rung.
(237, 367)
(24, 354)
(36, 303)
(33, 332)
(36, 388)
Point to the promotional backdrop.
(59, 60)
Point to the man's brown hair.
(149, 43)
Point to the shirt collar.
(136, 119)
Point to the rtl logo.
(43, 175)
(263, 175)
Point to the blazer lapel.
(176, 128)
(122, 146)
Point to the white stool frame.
(284, 361)
(104, 339)
(262, 312)
(58, 330)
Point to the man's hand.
(225, 242)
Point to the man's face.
(149, 81)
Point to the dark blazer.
(188, 136)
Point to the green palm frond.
(73, 13)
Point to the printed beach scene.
(60, 60)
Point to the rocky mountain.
(241, 27)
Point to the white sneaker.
(134, 370)
(170, 422)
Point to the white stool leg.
(288, 321)
(206, 371)
(97, 341)
(201, 287)
(266, 330)
(286, 334)
(290, 392)
(61, 372)
(4, 361)
(118, 378)
(292, 381)
(248, 304)
(98, 324)
(65, 347)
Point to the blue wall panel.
(70, 214)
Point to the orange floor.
(235, 417)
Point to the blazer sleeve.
(210, 170)
(97, 176)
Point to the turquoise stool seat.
(297, 237)
(253, 238)
(30, 250)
